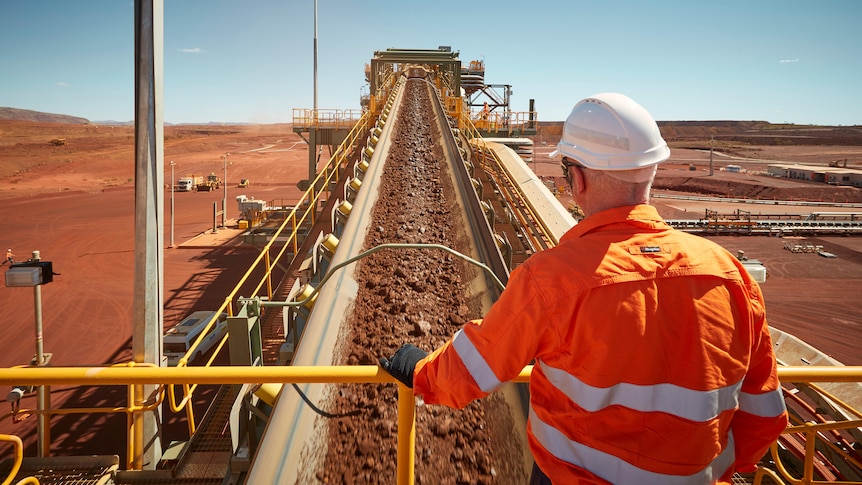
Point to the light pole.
(35, 273)
(224, 201)
(172, 203)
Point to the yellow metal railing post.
(190, 410)
(131, 437)
(406, 436)
(810, 450)
(268, 263)
(312, 203)
(137, 451)
(295, 242)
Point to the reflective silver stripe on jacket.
(767, 405)
(699, 406)
(615, 469)
(475, 363)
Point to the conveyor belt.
(293, 446)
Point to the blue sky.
(252, 61)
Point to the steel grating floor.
(65, 470)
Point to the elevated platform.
(514, 124)
(323, 127)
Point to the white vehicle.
(188, 184)
(185, 184)
(178, 340)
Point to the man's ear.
(579, 184)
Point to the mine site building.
(827, 175)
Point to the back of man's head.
(612, 133)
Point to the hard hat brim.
(614, 162)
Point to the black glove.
(401, 364)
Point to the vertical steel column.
(172, 203)
(149, 213)
(43, 393)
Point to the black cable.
(320, 411)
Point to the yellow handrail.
(814, 433)
(139, 374)
(19, 458)
(132, 375)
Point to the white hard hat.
(610, 131)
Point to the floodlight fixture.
(30, 273)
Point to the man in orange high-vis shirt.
(653, 360)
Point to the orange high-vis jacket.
(653, 360)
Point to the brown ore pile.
(415, 296)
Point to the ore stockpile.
(415, 296)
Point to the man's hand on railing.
(401, 365)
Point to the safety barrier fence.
(133, 375)
(326, 118)
(511, 123)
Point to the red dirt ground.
(75, 204)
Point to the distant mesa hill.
(681, 134)
(16, 114)
(759, 133)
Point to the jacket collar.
(642, 215)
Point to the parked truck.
(212, 182)
(189, 183)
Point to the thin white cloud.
(61, 84)
(788, 61)
(191, 50)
